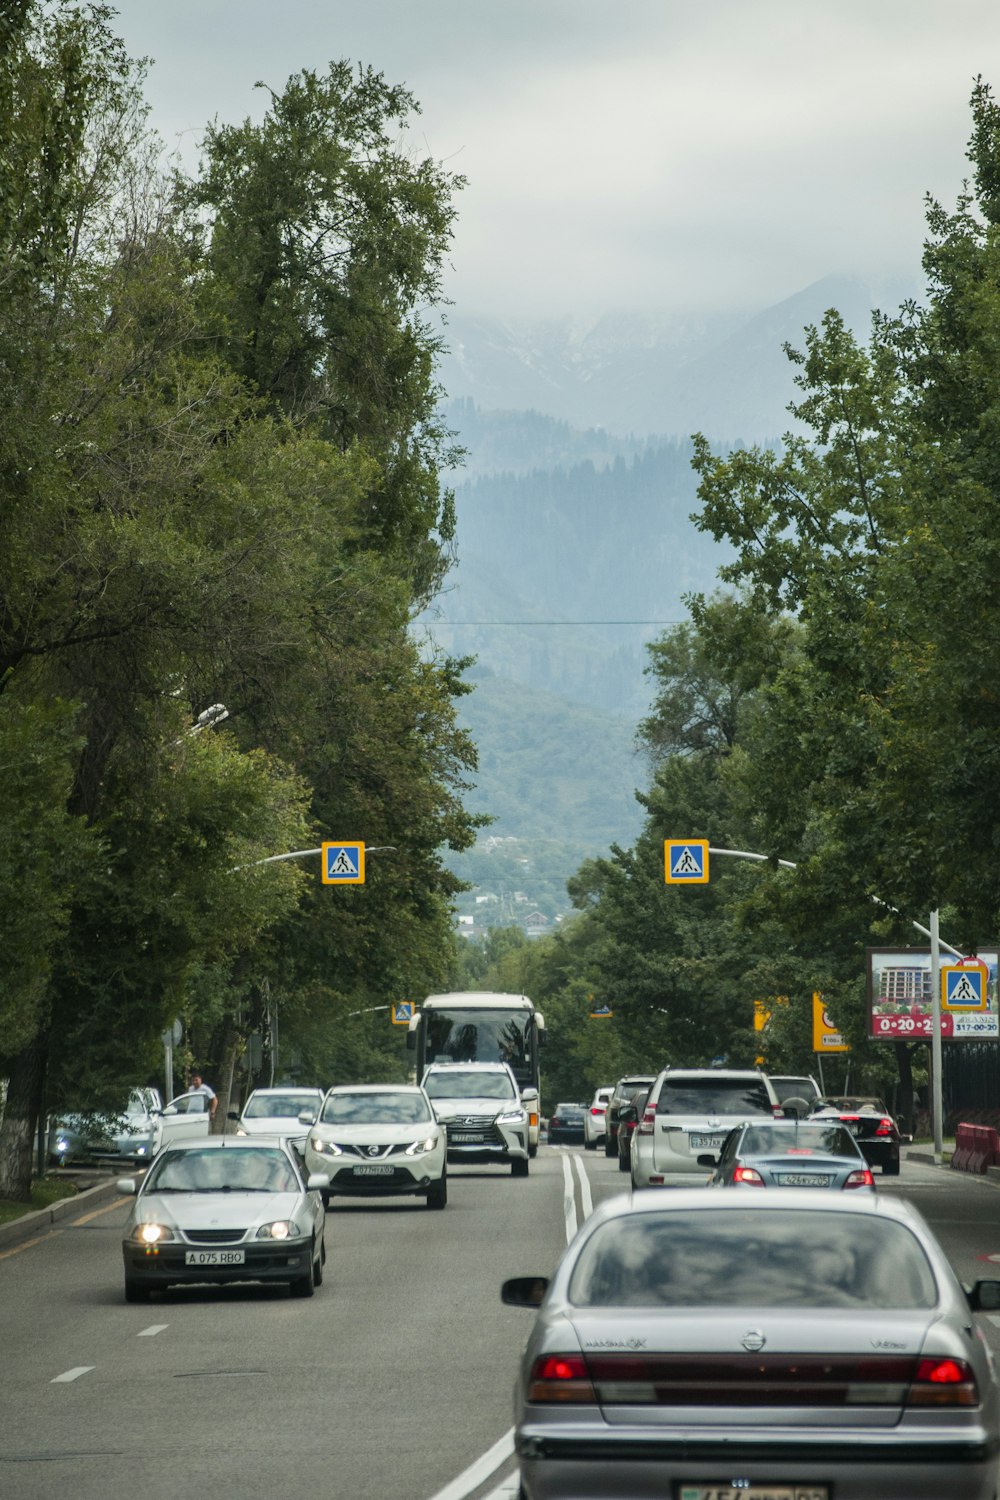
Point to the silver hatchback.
(800, 1345)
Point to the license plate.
(705, 1142)
(213, 1258)
(466, 1139)
(374, 1170)
(753, 1492)
(802, 1179)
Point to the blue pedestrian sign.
(963, 986)
(343, 864)
(402, 1013)
(685, 861)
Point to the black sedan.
(790, 1153)
(872, 1126)
(566, 1124)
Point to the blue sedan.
(790, 1153)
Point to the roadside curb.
(42, 1219)
(991, 1175)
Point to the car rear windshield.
(278, 1106)
(832, 1140)
(714, 1096)
(755, 1259)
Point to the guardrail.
(976, 1148)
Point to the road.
(392, 1383)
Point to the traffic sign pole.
(937, 1091)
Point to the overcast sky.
(684, 155)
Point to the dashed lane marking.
(73, 1374)
(154, 1328)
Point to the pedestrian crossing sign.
(343, 864)
(402, 1013)
(685, 861)
(963, 987)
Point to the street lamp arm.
(273, 859)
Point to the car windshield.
(222, 1170)
(795, 1258)
(833, 1140)
(714, 1096)
(457, 1083)
(277, 1106)
(390, 1107)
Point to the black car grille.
(474, 1130)
(214, 1236)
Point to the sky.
(678, 156)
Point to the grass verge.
(44, 1192)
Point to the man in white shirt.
(199, 1087)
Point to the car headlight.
(281, 1229)
(325, 1148)
(512, 1117)
(419, 1148)
(152, 1234)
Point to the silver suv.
(689, 1112)
(480, 1106)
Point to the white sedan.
(379, 1138)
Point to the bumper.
(265, 1262)
(604, 1465)
(877, 1153)
(511, 1150)
(347, 1182)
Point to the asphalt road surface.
(392, 1383)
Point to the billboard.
(899, 996)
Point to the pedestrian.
(198, 1086)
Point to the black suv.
(622, 1093)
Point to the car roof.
(707, 1072)
(465, 1067)
(292, 1088)
(654, 1200)
(224, 1142)
(375, 1088)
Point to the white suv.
(480, 1106)
(689, 1112)
(595, 1120)
(376, 1138)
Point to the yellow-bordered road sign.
(685, 861)
(402, 1013)
(344, 863)
(964, 986)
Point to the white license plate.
(374, 1170)
(213, 1258)
(705, 1142)
(753, 1492)
(802, 1179)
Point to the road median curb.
(41, 1219)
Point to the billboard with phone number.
(899, 995)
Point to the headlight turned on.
(281, 1229)
(419, 1148)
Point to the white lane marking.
(69, 1375)
(507, 1490)
(585, 1196)
(478, 1473)
(147, 1333)
(993, 1318)
(569, 1199)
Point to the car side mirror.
(628, 1115)
(706, 1159)
(529, 1095)
(985, 1296)
(233, 1114)
(170, 1109)
(127, 1186)
(317, 1180)
(307, 1117)
(524, 1291)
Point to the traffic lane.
(962, 1209)
(391, 1380)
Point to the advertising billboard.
(899, 995)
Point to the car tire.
(319, 1264)
(532, 1152)
(325, 1197)
(437, 1193)
(589, 1145)
(519, 1166)
(135, 1291)
(624, 1165)
(610, 1146)
(304, 1286)
(890, 1168)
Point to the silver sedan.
(800, 1345)
(224, 1209)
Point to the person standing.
(198, 1086)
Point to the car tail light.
(561, 1377)
(884, 1127)
(645, 1126)
(778, 1111)
(747, 1177)
(597, 1109)
(861, 1178)
(943, 1382)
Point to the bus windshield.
(456, 1035)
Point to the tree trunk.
(904, 1106)
(17, 1130)
(231, 1050)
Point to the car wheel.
(890, 1168)
(304, 1286)
(318, 1266)
(532, 1152)
(624, 1165)
(610, 1146)
(437, 1193)
(589, 1145)
(519, 1166)
(135, 1291)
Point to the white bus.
(483, 1026)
